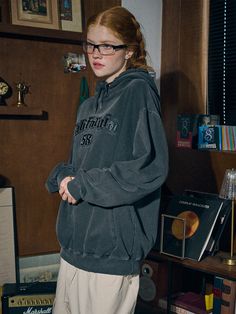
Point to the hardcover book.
(186, 303)
(162, 303)
(209, 137)
(200, 215)
(193, 302)
(186, 130)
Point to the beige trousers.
(82, 292)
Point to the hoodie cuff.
(74, 189)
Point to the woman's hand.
(63, 191)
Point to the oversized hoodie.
(119, 160)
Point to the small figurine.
(22, 90)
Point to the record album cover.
(200, 214)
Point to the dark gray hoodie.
(119, 160)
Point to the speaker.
(153, 282)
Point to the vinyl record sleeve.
(169, 244)
(221, 223)
(201, 216)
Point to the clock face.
(3, 88)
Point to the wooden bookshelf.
(34, 33)
(211, 264)
(20, 111)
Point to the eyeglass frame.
(114, 47)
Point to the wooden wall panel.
(31, 147)
(184, 89)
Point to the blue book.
(208, 137)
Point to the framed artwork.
(71, 15)
(35, 13)
(39, 268)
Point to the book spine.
(220, 136)
(231, 138)
(217, 291)
(227, 137)
(179, 310)
(224, 142)
(228, 296)
(234, 136)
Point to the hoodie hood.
(103, 89)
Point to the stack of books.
(224, 300)
(186, 303)
(219, 137)
(204, 132)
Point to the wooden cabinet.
(188, 274)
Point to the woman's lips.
(97, 65)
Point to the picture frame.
(44, 16)
(169, 244)
(39, 268)
(71, 15)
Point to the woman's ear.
(129, 54)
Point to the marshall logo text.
(32, 310)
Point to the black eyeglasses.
(104, 49)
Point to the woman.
(110, 189)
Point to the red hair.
(125, 27)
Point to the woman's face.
(109, 66)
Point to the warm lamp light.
(228, 191)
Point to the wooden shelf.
(211, 264)
(20, 111)
(35, 33)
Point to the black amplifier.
(30, 298)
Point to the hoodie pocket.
(100, 238)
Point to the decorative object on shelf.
(71, 15)
(39, 268)
(228, 191)
(186, 135)
(197, 131)
(5, 92)
(188, 225)
(74, 62)
(27, 13)
(208, 132)
(171, 225)
(22, 90)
